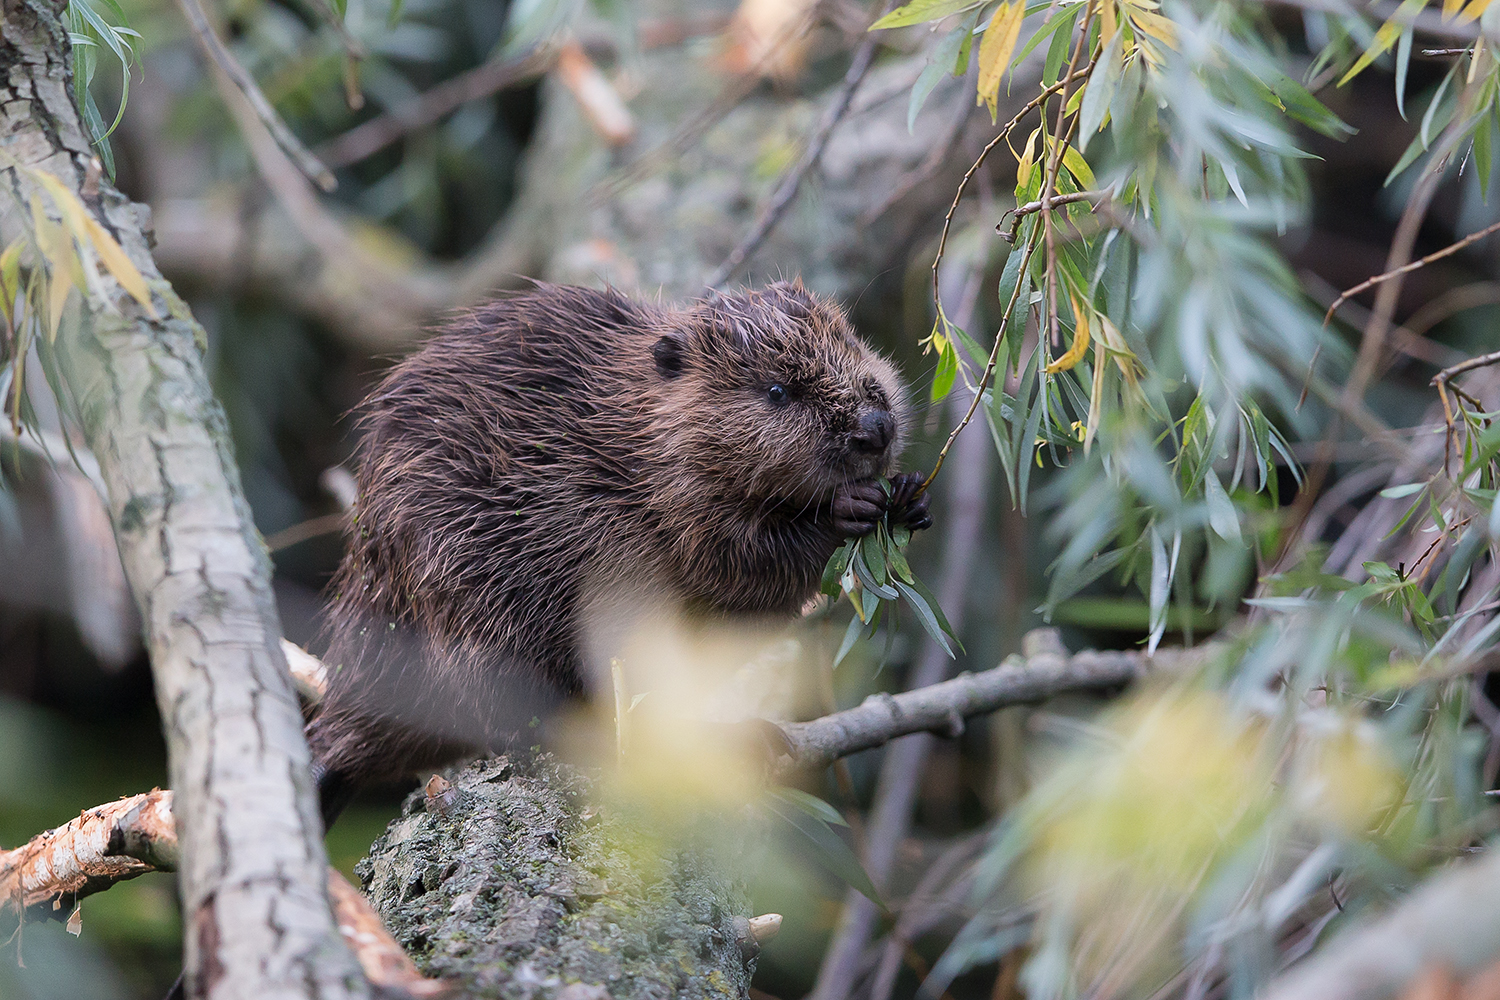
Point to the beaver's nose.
(876, 429)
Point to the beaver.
(559, 446)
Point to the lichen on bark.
(532, 886)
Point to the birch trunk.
(257, 919)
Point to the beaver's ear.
(669, 354)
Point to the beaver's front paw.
(908, 506)
(858, 508)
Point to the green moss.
(517, 895)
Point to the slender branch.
(1447, 251)
(368, 138)
(104, 845)
(213, 47)
(135, 836)
(1441, 380)
(790, 182)
(941, 708)
(984, 153)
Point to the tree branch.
(136, 835)
(213, 47)
(104, 845)
(787, 187)
(941, 708)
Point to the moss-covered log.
(523, 886)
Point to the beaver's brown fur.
(565, 446)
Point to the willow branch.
(786, 188)
(942, 708)
(213, 47)
(1369, 283)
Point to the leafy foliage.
(1153, 346)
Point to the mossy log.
(518, 883)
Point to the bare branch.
(787, 187)
(104, 845)
(433, 104)
(213, 47)
(1378, 279)
(941, 708)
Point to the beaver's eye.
(777, 394)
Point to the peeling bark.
(258, 922)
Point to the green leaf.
(938, 66)
(851, 636)
(1397, 492)
(1222, 516)
(1403, 60)
(872, 553)
(933, 626)
(921, 11)
(947, 369)
(1057, 52)
(810, 804)
(830, 848)
(898, 564)
(871, 585)
(838, 563)
(1100, 90)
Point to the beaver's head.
(771, 392)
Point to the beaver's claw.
(858, 507)
(907, 505)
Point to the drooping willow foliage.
(1157, 349)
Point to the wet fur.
(553, 449)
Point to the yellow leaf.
(1156, 26)
(86, 229)
(1107, 23)
(995, 50)
(114, 258)
(1385, 37)
(56, 250)
(1451, 7)
(1114, 342)
(1472, 12)
(10, 277)
(1080, 344)
(1096, 399)
(1079, 168)
(1026, 163)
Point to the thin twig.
(939, 155)
(984, 153)
(209, 41)
(1441, 380)
(1447, 251)
(791, 181)
(429, 106)
(1032, 207)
